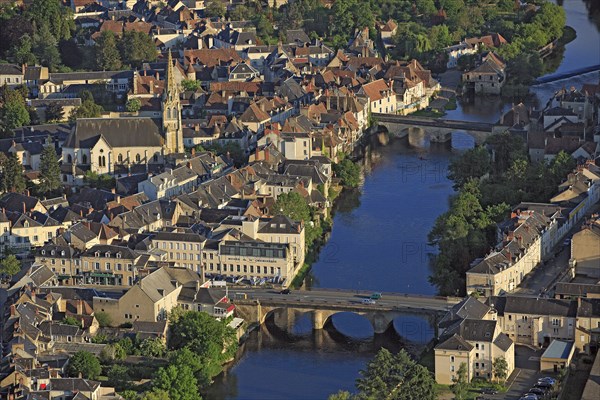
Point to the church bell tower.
(171, 113)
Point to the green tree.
(137, 48)
(348, 172)
(107, 54)
(185, 356)
(133, 105)
(23, 51)
(10, 265)
(500, 367)
(131, 395)
(13, 112)
(440, 37)
(104, 319)
(84, 363)
(211, 340)
(49, 171)
(118, 376)
(341, 395)
(474, 163)
(52, 13)
(215, 8)
(178, 381)
(12, 175)
(152, 347)
(240, 13)
(54, 112)
(461, 383)
(157, 394)
(87, 109)
(45, 47)
(70, 320)
(190, 85)
(390, 376)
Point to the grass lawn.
(451, 104)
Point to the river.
(379, 242)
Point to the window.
(138, 158)
(84, 159)
(477, 346)
(555, 321)
(69, 159)
(451, 358)
(452, 368)
(483, 347)
(120, 158)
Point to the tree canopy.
(10, 265)
(84, 363)
(49, 171)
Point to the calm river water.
(379, 242)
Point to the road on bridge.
(337, 298)
(434, 122)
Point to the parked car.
(548, 379)
(368, 301)
(567, 242)
(537, 391)
(285, 291)
(543, 385)
(376, 296)
(529, 396)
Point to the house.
(149, 300)
(254, 118)
(108, 265)
(171, 183)
(183, 249)
(382, 98)
(476, 343)
(585, 250)
(211, 300)
(456, 51)
(11, 75)
(488, 77)
(520, 250)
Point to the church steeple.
(171, 112)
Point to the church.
(125, 145)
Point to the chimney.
(79, 307)
(24, 208)
(13, 310)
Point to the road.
(337, 298)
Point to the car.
(529, 396)
(489, 390)
(368, 301)
(376, 296)
(285, 291)
(548, 379)
(537, 391)
(543, 385)
(567, 242)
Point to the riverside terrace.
(257, 305)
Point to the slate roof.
(455, 342)
(118, 132)
(477, 330)
(180, 237)
(280, 224)
(533, 306)
(14, 202)
(589, 308)
(503, 341)
(73, 385)
(559, 349)
(10, 69)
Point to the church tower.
(171, 113)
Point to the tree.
(211, 340)
(157, 394)
(461, 383)
(190, 85)
(215, 8)
(178, 381)
(152, 347)
(23, 51)
(13, 112)
(84, 363)
(118, 376)
(474, 163)
(51, 12)
(389, 376)
(70, 320)
(348, 172)
(137, 48)
(107, 54)
(187, 357)
(87, 109)
(12, 175)
(54, 112)
(49, 171)
(500, 368)
(103, 319)
(45, 47)
(341, 395)
(133, 105)
(10, 265)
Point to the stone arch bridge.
(439, 130)
(323, 304)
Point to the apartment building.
(183, 249)
(518, 253)
(382, 97)
(108, 265)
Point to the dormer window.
(43, 252)
(62, 253)
(118, 255)
(107, 254)
(97, 254)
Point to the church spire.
(171, 85)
